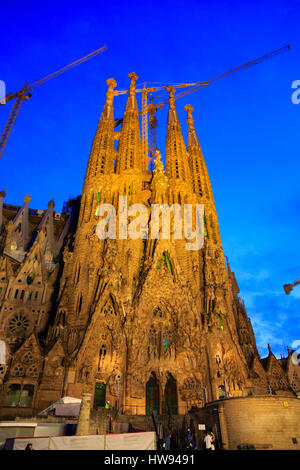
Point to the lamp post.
(118, 391)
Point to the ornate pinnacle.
(192, 136)
(111, 83)
(27, 198)
(131, 102)
(172, 117)
(108, 106)
(189, 109)
(171, 90)
(3, 193)
(51, 204)
(133, 77)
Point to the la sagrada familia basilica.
(142, 322)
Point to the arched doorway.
(171, 400)
(152, 395)
(221, 391)
(99, 396)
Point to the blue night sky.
(247, 125)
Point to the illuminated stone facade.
(144, 323)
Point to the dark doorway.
(171, 400)
(152, 395)
(99, 397)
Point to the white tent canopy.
(59, 407)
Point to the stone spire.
(200, 178)
(108, 110)
(18, 233)
(131, 104)
(177, 167)
(130, 150)
(101, 160)
(46, 225)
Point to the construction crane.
(189, 88)
(289, 287)
(26, 92)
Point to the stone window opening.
(153, 343)
(166, 342)
(28, 358)
(2, 370)
(18, 371)
(80, 304)
(78, 274)
(32, 371)
(102, 355)
(218, 362)
(19, 395)
(62, 318)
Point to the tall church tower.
(145, 322)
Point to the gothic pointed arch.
(152, 395)
(170, 395)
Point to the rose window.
(18, 325)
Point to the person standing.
(213, 440)
(190, 442)
(208, 441)
(167, 442)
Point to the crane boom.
(289, 287)
(68, 67)
(190, 88)
(200, 85)
(25, 93)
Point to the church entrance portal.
(171, 401)
(99, 397)
(152, 395)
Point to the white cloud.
(260, 276)
(295, 292)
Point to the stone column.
(83, 425)
(223, 427)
